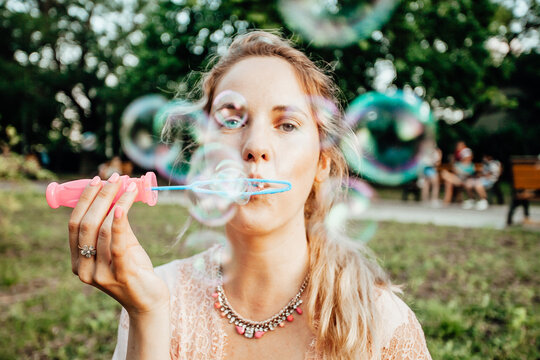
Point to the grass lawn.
(475, 291)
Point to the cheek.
(298, 161)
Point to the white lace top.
(200, 334)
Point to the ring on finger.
(87, 250)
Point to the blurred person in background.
(478, 186)
(462, 170)
(429, 175)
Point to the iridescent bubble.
(217, 171)
(346, 217)
(137, 135)
(336, 23)
(181, 126)
(389, 130)
(229, 109)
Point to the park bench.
(525, 184)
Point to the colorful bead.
(259, 334)
(215, 295)
(241, 330)
(299, 311)
(290, 318)
(282, 324)
(217, 305)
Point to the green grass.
(475, 291)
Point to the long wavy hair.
(343, 274)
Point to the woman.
(279, 245)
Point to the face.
(279, 140)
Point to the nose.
(256, 147)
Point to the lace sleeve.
(168, 273)
(120, 351)
(407, 342)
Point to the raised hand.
(106, 254)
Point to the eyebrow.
(291, 108)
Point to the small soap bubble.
(389, 130)
(229, 109)
(346, 216)
(89, 141)
(336, 23)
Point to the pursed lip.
(258, 186)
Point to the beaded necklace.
(256, 329)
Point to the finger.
(91, 225)
(88, 195)
(103, 257)
(121, 264)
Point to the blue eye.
(233, 123)
(230, 122)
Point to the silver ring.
(87, 251)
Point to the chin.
(253, 219)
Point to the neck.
(266, 270)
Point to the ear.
(323, 168)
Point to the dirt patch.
(29, 290)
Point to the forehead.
(264, 82)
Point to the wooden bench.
(525, 184)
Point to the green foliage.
(71, 67)
(473, 290)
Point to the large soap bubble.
(336, 23)
(184, 126)
(389, 130)
(137, 136)
(143, 142)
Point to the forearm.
(149, 336)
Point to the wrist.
(158, 311)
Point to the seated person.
(429, 177)
(491, 170)
(462, 170)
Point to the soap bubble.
(389, 132)
(346, 216)
(137, 135)
(184, 126)
(229, 109)
(89, 141)
(218, 171)
(336, 23)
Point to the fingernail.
(95, 181)
(131, 187)
(114, 178)
(118, 212)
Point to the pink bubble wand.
(68, 194)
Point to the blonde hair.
(343, 276)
